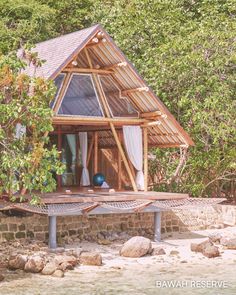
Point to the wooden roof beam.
(149, 115)
(151, 124)
(87, 70)
(114, 66)
(95, 120)
(139, 89)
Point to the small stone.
(59, 259)
(231, 244)
(199, 247)
(123, 236)
(49, 268)
(58, 274)
(224, 241)
(90, 258)
(158, 251)
(17, 262)
(65, 266)
(174, 252)
(183, 261)
(57, 250)
(211, 251)
(215, 237)
(76, 252)
(136, 247)
(100, 236)
(104, 242)
(35, 247)
(117, 267)
(35, 264)
(1, 277)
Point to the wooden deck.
(106, 196)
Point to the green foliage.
(26, 163)
(185, 49)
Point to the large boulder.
(211, 251)
(35, 264)
(199, 247)
(49, 268)
(17, 261)
(90, 258)
(136, 247)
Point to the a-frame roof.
(59, 52)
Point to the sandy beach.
(122, 275)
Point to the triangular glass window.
(119, 105)
(58, 83)
(80, 98)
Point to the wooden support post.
(52, 243)
(114, 132)
(145, 158)
(119, 166)
(123, 157)
(95, 152)
(90, 150)
(157, 226)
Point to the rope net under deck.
(123, 205)
(113, 206)
(187, 203)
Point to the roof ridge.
(61, 36)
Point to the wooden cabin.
(105, 116)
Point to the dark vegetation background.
(185, 50)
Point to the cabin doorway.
(70, 157)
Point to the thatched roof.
(61, 51)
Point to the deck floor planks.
(60, 198)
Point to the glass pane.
(120, 106)
(58, 82)
(80, 98)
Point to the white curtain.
(134, 147)
(83, 140)
(72, 144)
